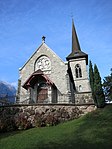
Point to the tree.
(107, 85)
(98, 90)
(91, 78)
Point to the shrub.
(22, 122)
(7, 122)
(39, 120)
(51, 120)
(42, 120)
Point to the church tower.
(77, 70)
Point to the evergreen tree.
(107, 84)
(98, 91)
(91, 78)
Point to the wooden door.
(42, 94)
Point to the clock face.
(43, 63)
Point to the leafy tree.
(107, 85)
(91, 77)
(98, 91)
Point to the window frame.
(78, 71)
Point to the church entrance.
(42, 89)
(42, 93)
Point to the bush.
(42, 120)
(22, 119)
(22, 122)
(39, 120)
(11, 119)
(51, 120)
(7, 122)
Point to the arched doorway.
(41, 88)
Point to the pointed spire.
(75, 42)
(76, 50)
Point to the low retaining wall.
(26, 116)
(51, 109)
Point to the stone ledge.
(48, 104)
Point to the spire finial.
(72, 15)
(43, 39)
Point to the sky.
(24, 22)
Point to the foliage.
(107, 84)
(96, 86)
(51, 120)
(45, 120)
(25, 118)
(99, 97)
(91, 78)
(7, 122)
(39, 121)
(53, 117)
(22, 122)
(11, 119)
(93, 130)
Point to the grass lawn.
(92, 131)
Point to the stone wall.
(27, 116)
(58, 68)
(80, 81)
(83, 98)
(51, 109)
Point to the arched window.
(43, 63)
(78, 71)
(80, 88)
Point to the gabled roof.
(30, 82)
(43, 44)
(31, 56)
(76, 50)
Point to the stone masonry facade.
(46, 79)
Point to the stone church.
(45, 78)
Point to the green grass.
(92, 131)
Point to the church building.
(46, 79)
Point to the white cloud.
(14, 84)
